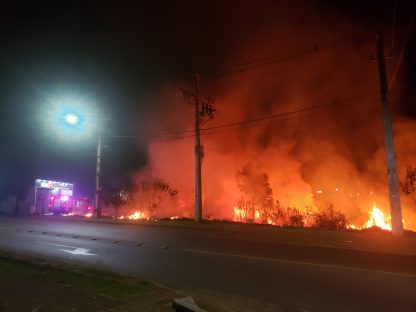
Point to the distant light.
(319, 192)
(69, 118)
(64, 197)
(72, 119)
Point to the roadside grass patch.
(36, 286)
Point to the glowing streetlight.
(75, 120)
(72, 119)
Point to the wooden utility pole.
(394, 191)
(198, 183)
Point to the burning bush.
(329, 219)
(287, 216)
(248, 211)
(256, 203)
(245, 210)
(256, 194)
(147, 196)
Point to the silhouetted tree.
(408, 185)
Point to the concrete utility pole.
(204, 111)
(97, 178)
(198, 183)
(394, 191)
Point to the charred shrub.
(285, 216)
(330, 219)
(295, 218)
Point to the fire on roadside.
(137, 215)
(376, 219)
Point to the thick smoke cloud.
(328, 156)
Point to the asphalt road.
(298, 278)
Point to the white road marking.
(79, 251)
(73, 250)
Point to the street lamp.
(71, 119)
(74, 120)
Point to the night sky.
(115, 53)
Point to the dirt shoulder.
(33, 285)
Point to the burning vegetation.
(145, 198)
(256, 204)
(151, 199)
(298, 142)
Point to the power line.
(250, 121)
(253, 125)
(146, 135)
(173, 139)
(393, 30)
(246, 66)
(402, 52)
(305, 109)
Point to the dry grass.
(35, 286)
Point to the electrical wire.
(393, 30)
(243, 67)
(173, 139)
(253, 125)
(401, 55)
(305, 109)
(145, 135)
(382, 17)
(250, 122)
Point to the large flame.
(377, 219)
